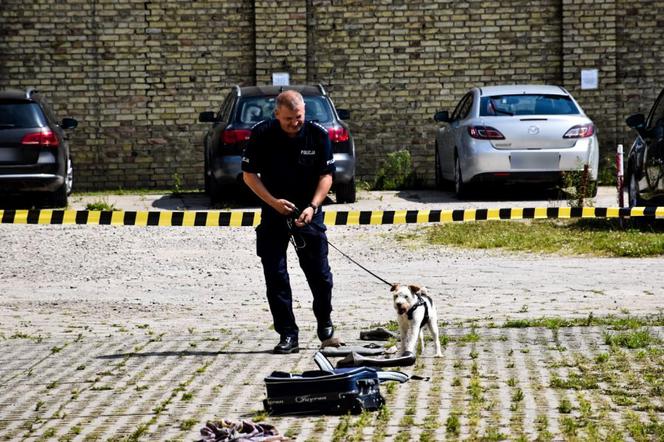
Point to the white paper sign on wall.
(589, 78)
(280, 78)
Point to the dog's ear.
(394, 287)
(414, 289)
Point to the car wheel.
(346, 192)
(439, 176)
(459, 187)
(633, 198)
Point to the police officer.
(288, 163)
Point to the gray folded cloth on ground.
(240, 431)
(344, 350)
(378, 334)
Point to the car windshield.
(255, 109)
(531, 104)
(20, 115)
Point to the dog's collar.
(420, 301)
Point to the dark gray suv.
(246, 106)
(34, 152)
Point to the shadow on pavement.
(181, 353)
(497, 193)
(24, 202)
(200, 201)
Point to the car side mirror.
(636, 121)
(442, 117)
(68, 123)
(206, 117)
(344, 114)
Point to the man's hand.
(305, 217)
(284, 207)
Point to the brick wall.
(137, 73)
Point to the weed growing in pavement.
(100, 205)
(177, 184)
(475, 391)
(615, 322)
(293, 431)
(453, 424)
(632, 339)
(36, 339)
(382, 419)
(565, 237)
(493, 434)
(471, 337)
(565, 406)
(396, 172)
(430, 423)
(569, 426)
(574, 381)
(578, 188)
(341, 431)
(542, 426)
(188, 424)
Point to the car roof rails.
(29, 91)
(322, 89)
(238, 90)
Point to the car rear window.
(255, 109)
(532, 104)
(20, 115)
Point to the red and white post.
(620, 176)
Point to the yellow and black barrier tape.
(343, 218)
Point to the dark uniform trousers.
(272, 239)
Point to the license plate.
(535, 160)
(7, 154)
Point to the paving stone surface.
(145, 334)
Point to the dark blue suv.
(645, 160)
(34, 152)
(246, 106)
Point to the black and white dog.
(415, 309)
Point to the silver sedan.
(515, 133)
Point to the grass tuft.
(632, 339)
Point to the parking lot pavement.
(136, 333)
(366, 200)
(121, 379)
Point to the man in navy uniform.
(288, 163)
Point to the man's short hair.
(290, 99)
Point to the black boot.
(325, 330)
(287, 345)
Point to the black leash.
(296, 214)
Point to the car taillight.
(580, 131)
(45, 137)
(232, 136)
(338, 134)
(485, 133)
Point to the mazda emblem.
(533, 130)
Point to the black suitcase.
(325, 391)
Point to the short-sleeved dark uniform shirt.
(289, 167)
